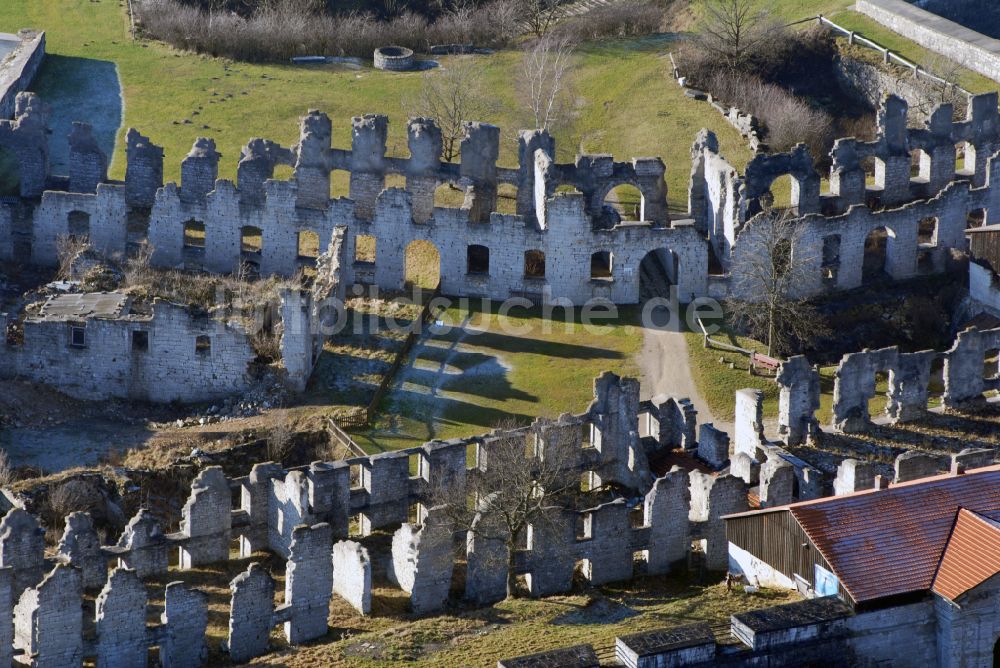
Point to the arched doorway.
(657, 274)
(421, 266)
(10, 173)
(996, 654)
(873, 268)
(623, 203)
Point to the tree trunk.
(511, 577)
(770, 331)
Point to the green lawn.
(457, 386)
(171, 96)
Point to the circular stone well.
(394, 58)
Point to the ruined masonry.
(549, 247)
(324, 558)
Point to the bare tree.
(451, 95)
(736, 30)
(546, 72)
(7, 475)
(538, 16)
(771, 265)
(516, 486)
(68, 249)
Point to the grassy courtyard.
(488, 367)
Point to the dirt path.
(665, 370)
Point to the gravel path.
(665, 370)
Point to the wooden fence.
(755, 360)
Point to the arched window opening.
(874, 263)
(364, 248)
(194, 235)
(623, 203)
(422, 265)
(251, 239)
(534, 264)
(308, 245)
(477, 259)
(78, 225)
(600, 266)
(10, 173)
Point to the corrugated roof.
(888, 542)
(83, 306)
(971, 557)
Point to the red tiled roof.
(972, 555)
(887, 542)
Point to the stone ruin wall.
(18, 69)
(568, 228)
(833, 226)
(758, 461)
(171, 367)
(304, 515)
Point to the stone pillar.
(28, 137)
(308, 583)
(199, 170)
(665, 512)
(798, 399)
(143, 546)
(847, 178)
(206, 520)
(251, 613)
(312, 171)
(422, 561)
(749, 422)
(48, 620)
(22, 548)
(713, 497)
(7, 601)
(184, 620)
(853, 476)
(143, 170)
(528, 143)
(486, 546)
(777, 482)
(88, 165)
(367, 162)
(480, 149)
(424, 140)
(892, 169)
(650, 173)
(352, 575)
(254, 501)
(985, 122)
(713, 446)
(81, 547)
(120, 621)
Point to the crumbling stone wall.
(108, 365)
(20, 68)
(300, 513)
(839, 222)
(567, 227)
(909, 377)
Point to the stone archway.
(10, 173)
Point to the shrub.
(621, 19)
(276, 32)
